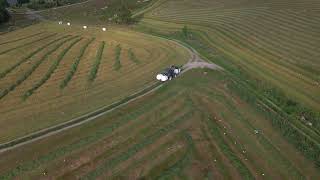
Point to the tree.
(4, 14)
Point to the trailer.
(168, 73)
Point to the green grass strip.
(52, 68)
(180, 165)
(96, 65)
(27, 44)
(133, 57)
(117, 63)
(32, 69)
(75, 64)
(15, 40)
(234, 159)
(137, 147)
(4, 73)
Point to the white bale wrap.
(164, 78)
(104, 29)
(68, 24)
(176, 71)
(85, 27)
(60, 22)
(159, 77)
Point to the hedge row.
(5, 72)
(117, 63)
(75, 64)
(52, 68)
(95, 67)
(30, 71)
(27, 44)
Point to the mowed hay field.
(276, 41)
(193, 127)
(51, 73)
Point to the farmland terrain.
(253, 115)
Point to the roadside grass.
(75, 64)
(117, 62)
(96, 65)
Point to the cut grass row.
(87, 140)
(133, 57)
(32, 69)
(137, 147)
(117, 63)
(52, 68)
(96, 65)
(25, 59)
(19, 39)
(75, 64)
(27, 44)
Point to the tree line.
(4, 14)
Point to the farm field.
(192, 127)
(51, 73)
(274, 41)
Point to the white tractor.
(168, 74)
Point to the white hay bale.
(68, 24)
(104, 29)
(60, 22)
(85, 27)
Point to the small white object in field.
(60, 22)
(85, 27)
(224, 133)
(244, 151)
(215, 160)
(256, 131)
(262, 174)
(104, 29)
(68, 24)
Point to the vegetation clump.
(117, 64)
(4, 14)
(95, 67)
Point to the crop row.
(96, 65)
(75, 64)
(15, 40)
(117, 63)
(32, 69)
(133, 57)
(137, 147)
(52, 68)
(4, 73)
(27, 44)
(101, 132)
(215, 131)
